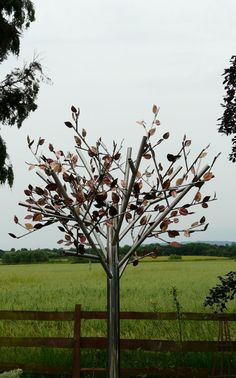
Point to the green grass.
(146, 287)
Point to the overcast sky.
(115, 59)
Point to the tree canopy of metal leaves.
(94, 188)
(228, 119)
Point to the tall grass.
(147, 287)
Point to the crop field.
(147, 287)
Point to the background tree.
(96, 197)
(19, 89)
(224, 292)
(228, 119)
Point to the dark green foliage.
(19, 89)
(18, 93)
(222, 293)
(6, 171)
(24, 257)
(228, 120)
(15, 17)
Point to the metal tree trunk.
(113, 308)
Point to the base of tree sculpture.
(96, 198)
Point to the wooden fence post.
(76, 353)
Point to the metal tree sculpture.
(96, 198)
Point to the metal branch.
(84, 255)
(141, 231)
(83, 227)
(129, 189)
(162, 216)
(84, 161)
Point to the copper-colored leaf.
(77, 140)
(140, 210)
(39, 191)
(166, 184)
(202, 220)
(188, 143)
(187, 233)
(29, 216)
(194, 224)
(109, 223)
(164, 225)
(128, 216)
(27, 192)
(74, 159)
(208, 176)
(113, 211)
(205, 205)
(154, 109)
(115, 197)
(198, 197)
(124, 184)
(12, 235)
(166, 135)
(143, 220)
(80, 196)
(37, 217)
(50, 147)
(82, 239)
(73, 109)
(56, 166)
(147, 156)
(183, 211)
(51, 187)
(84, 133)
(29, 226)
(179, 181)
(152, 131)
(101, 196)
(41, 142)
(193, 170)
(16, 219)
(92, 151)
(173, 193)
(68, 124)
(31, 167)
(173, 233)
(37, 226)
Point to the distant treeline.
(25, 256)
(191, 249)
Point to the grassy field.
(146, 287)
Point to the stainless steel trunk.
(113, 308)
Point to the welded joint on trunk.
(162, 216)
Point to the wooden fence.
(77, 342)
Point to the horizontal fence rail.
(76, 343)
